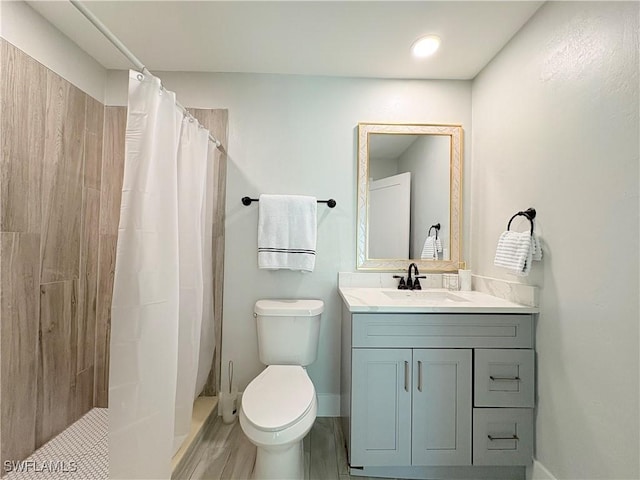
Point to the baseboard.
(441, 473)
(538, 472)
(328, 405)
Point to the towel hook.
(529, 214)
(437, 227)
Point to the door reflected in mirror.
(409, 188)
(409, 179)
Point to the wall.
(297, 134)
(51, 189)
(30, 32)
(428, 160)
(555, 127)
(382, 167)
(115, 123)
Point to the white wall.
(26, 29)
(382, 167)
(555, 127)
(298, 135)
(428, 160)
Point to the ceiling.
(337, 38)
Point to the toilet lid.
(289, 308)
(278, 397)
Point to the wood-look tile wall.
(115, 126)
(50, 192)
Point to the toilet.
(279, 406)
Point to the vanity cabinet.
(411, 407)
(436, 390)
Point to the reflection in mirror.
(409, 183)
(408, 195)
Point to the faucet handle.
(416, 283)
(401, 285)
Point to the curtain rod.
(125, 51)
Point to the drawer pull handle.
(512, 379)
(513, 437)
(419, 376)
(406, 376)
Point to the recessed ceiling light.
(425, 46)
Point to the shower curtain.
(162, 286)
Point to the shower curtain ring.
(140, 76)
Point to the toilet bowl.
(278, 409)
(279, 406)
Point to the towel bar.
(437, 227)
(529, 213)
(247, 201)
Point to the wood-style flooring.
(226, 453)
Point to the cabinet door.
(441, 407)
(381, 407)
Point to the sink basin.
(424, 296)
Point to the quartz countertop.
(390, 300)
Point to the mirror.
(409, 196)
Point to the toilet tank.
(288, 331)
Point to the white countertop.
(390, 300)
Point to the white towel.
(287, 227)
(536, 252)
(429, 250)
(514, 252)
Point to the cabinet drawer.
(502, 436)
(447, 330)
(503, 378)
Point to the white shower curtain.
(192, 176)
(160, 291)
(207, 333)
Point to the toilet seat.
(278, 397)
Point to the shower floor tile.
(78, 453)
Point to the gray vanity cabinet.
(411, 407)
(436, 390)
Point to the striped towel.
(515, 252)
(536, 251)
(430, 249)
(287, 229)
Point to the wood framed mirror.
(409, 189)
